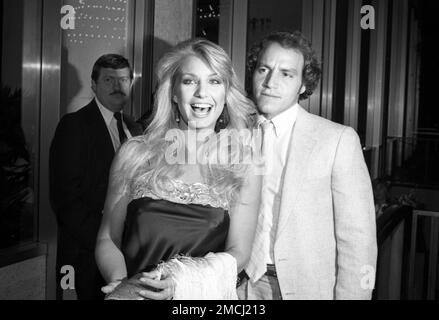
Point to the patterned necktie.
(122, 135)
(257, 265)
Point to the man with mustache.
(81, 153)
(316, 230)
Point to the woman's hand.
(155, 287)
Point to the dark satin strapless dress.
(158, 229)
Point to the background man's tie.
(122, 135)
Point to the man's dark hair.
(289, 40)
(113, 61)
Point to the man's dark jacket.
(80, 159)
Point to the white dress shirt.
(111, 123)
(272, 182)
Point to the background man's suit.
(326, 240)
(80, 158)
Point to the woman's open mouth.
(201, 110)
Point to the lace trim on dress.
(178, 191)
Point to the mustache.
(117, 92)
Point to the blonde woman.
(158, 208)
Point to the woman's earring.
(177, 112)
(222, 115)
(223, 120)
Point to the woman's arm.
(109, 257)
(243, 219)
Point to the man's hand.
(110, 287)
(142, 286)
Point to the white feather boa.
(212, 277)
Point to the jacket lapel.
(301, 146)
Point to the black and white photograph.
(235, 151)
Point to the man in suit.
(80, 158)
(316, 230)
